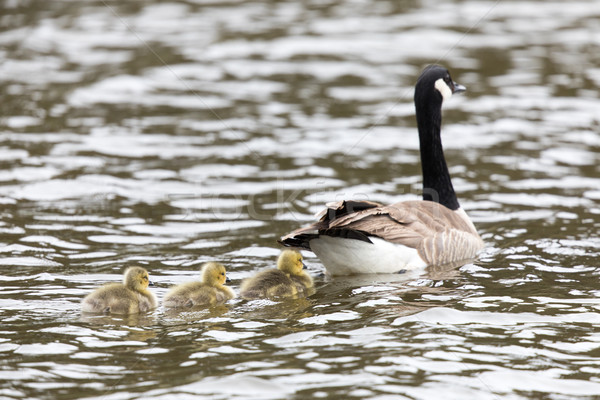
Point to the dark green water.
(167, 134)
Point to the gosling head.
(213, 274)
(136, 278)
(290, 261)
(436, 79)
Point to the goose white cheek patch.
(443, 88)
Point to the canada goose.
(365, 237)
(210, 291)
(131, 296)
(288, 279)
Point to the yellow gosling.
(210, 291)
(289, 279)
(131, 296)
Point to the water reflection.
(291, 309)
(124, 320)
(194, 314)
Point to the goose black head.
(434, 84)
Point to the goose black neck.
(437, 185)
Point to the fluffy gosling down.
(289, 279)
(130, 297)
(210, 291)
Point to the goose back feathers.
(438, 234)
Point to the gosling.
(210, 291)
(287, 280)
(130, 297)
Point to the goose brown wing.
(339, 209)
(396, 223)
(403, 221)
(438, 233)
(301, 237)
(356, 220)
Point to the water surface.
(167, 134)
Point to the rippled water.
(166, 134)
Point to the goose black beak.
(304, 266)
(227, 280)
(150, 283)
(458, 88)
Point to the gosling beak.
(458, 88)
(303, 265)
(150, 283)
(227, 280)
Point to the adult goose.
(354, 237)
